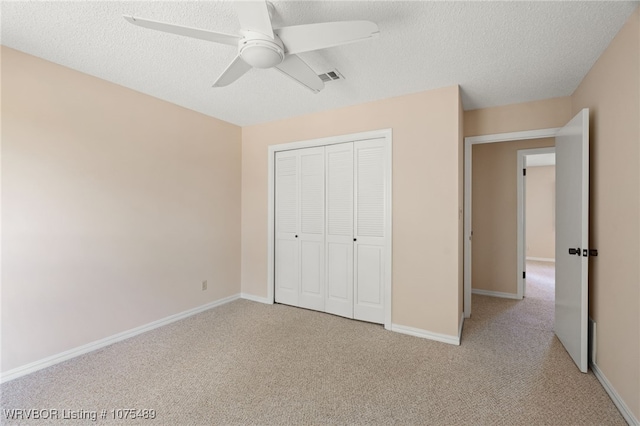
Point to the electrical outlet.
(204, 285)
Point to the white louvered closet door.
(339, 234)
(287, 253)
(312, 232)
(369, 230)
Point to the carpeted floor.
(248, 363)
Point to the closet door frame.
(385, 134)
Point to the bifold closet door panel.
(369, 296)
(330, 224)
(287, 251)
(339, 235)
(312, 228)
(369, 236)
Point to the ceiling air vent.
(330, 76)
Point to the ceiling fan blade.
(234, 71)
(254, 16)
(304, 38)
(231, 40)
(297, 69)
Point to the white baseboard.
(253, 298)
(495, 294)
(592, 336)
(622, 407)
(418, 332)
(460, 327)
(89, 347)
(542, 259)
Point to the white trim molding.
(387, 135)
(460, 327)
(418, 332)
(542, 259)
(258, 299)
(615, 397)
(468, 142)
(98, 344)
(496, 294)
(513, 136)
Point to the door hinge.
(524, 172)
(524, 274)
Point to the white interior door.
(369, 235)
(287, 252)
(572, 237)
(339, 236)
(311, 235)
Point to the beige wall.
(611, 90)
(494, 218)
(543, 114)
(116, 206)
(540, 212)
(426, 201)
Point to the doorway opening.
(572, 230)
(469, 143)
(513, 273)
(536, 221)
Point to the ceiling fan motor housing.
(261, 51)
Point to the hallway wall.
(540, 213)
(494, 214)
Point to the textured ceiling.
(499, 52)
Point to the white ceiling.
(538, 160)
(499, 52)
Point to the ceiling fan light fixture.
(261, 53)
(261, 46)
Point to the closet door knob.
(355, 239)
(296, 236)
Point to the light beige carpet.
(248, 363)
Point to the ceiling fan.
(262, 46)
